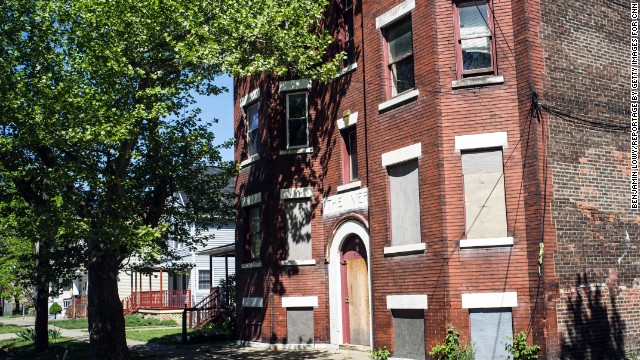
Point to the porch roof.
(219, 251)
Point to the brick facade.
(565, 183)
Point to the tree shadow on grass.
(595, 329)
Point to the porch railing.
(165, 299)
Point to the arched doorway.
(350, 285)
(355, 291)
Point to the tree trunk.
(106, 321)
(42, 317)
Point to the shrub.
(29, 334)
(55, 308)
(452, 349)
(213, 332)
(520, 350)
(380, 353)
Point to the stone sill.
(405, 249)
(250, 160)
(350, 186)
(298, 262)
(491, 242)
(304, 150)
(347, 70)
(477, 81)
(398, 100)
(252, 265)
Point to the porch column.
(160, 279)
(226, 277)
(150, 278)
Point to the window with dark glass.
(400, 53)
(349, 45)
(297, 132)
(253, 123)
(350, 156)
(474, 29)
(254, 232)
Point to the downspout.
(366, 154)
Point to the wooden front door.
(355, 290)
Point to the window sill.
(477, 81)
(350, 186)
(347, 70)
(304, 150)
(250, 160)
(398, 100)
(405, 249)
(490, 242)
(252, 265)
(311, 262)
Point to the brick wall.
(586, 76)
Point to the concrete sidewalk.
(202, 351)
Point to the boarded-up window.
(300, 325)
(405, 204)
(253, 324)
(254, 231)
(408, 334)
(489, 331)
(298, 213)
(485, 210)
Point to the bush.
(452, 349)
(55, 308)
(139, 320)
(380, 353)
(520, 350)
(212, 332)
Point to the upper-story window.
(399, 44)
(297, 125)
(254, 232)
(349, 155)
(475, 43)
(349, 44)
(253, 123)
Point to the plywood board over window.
(408, 333)
(405, 203)
(485, 209)
(490, 330)
(298, 213)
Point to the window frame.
(255, 144)
(347, 34)
(348, 157)
(254, 236)
(200, 280)
(306, 118)
(460, 72)
(395, 238)
(391, 87)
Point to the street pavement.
(203, 351)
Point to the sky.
(221, 108)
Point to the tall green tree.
(97, 130)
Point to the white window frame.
(200, 279)
(306, 94)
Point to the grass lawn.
(129, 321)
(8, 329)
(21, 349)
(163, 336)
(78, 350)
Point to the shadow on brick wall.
(595, 329)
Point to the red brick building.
(468, 166)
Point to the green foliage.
(129, 321)
(380, 353)
(29, 334)
(55, 308)
(228, 285)
(452, 349)
(212, 333)
(520, 350)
